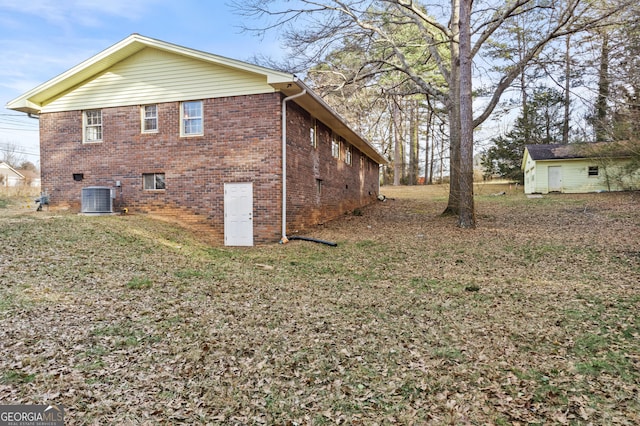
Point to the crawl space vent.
(97, 200)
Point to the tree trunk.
(413, 144)
(397, 152)
(603, 91)
(441, 164)
(523, 90)
(466, 216)
(428, 136)
(387, 175)
(433, 156)
(567, 93)
(453, 205)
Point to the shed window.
(191, 118)
(150, 119)
(593, 171)
(92, 125)
(153, 181)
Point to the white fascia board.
(33, 100)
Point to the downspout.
(284, 238)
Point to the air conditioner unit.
(97, 200)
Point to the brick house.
(162, 129)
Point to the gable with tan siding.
(153, 76)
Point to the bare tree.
(414, 135)
(9, 153)
(602, 113)
(329, 23)
(616, 111)
(566, 126)
(466, 216)
(398, 162)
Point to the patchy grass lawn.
(530, 319)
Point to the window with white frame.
(191, 118)
(149, 119)
(593, 171)
(335, 147)
(92, 125)
(347, 155)
(312, 134)
(153, 181)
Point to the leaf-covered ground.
(530, 319)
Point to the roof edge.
(577, 150)
(129, 46)
(12, 169)
(369, 149)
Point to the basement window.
(593, 171)
(153, 181)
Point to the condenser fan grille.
(97, 199)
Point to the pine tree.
(543, 124)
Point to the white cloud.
(67, 14)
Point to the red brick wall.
(344, 187)
(241, 143)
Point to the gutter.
(284, 238)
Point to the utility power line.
(17, 149)
(24, 153)
(18, 123)
(18, 130)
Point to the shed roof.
(579, 150)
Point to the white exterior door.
(555, 178)
(238, 214)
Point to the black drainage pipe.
(313, 240)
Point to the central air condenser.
(97, 200)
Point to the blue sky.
(40, 39)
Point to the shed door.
(238, 214)
(555, 179)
